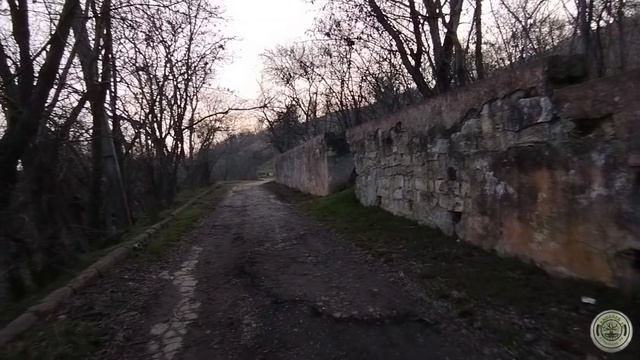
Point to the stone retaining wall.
(320, 166)
(532, 163)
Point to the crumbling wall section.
(532, 163)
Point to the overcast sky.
(260, 25)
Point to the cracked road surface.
(256, 279)
(264, 282)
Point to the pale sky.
(260, 25)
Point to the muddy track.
(256, 279)
(276, 285)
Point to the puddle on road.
(168, 336)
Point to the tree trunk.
(584, 28)
(415, 72)
(23, 117)
(479, 60)
(107, 197)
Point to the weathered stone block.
(464, 188)
(397, 194)
(420, 184)
(529, 112)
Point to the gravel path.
(272, 284)
(256, 279)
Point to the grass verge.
(184, 222)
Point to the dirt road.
(257, 279)
(262, 281)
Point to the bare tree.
(284, 127)
(171, 52)
(25, 91)
(524, 29)
(97, 77)
(295, 69)
(60, 177)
